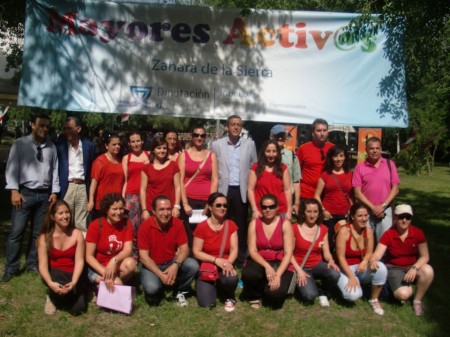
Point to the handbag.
(208, 271)
(293, 283)
(122, 299)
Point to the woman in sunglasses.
(199, 177)
(209, 242)
(269, 176)
(160, 176)
(270, 244)
(107, 174)
(405, 252)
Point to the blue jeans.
(34, 208)
(154, 288)
(377, 278)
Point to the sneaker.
(323, 300)
(418, 308)
(376, 306)
(230, 305)
(181, 300)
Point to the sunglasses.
(221, 205)
(404, 216)
(196, 135)
(39, 153)
(264, 207)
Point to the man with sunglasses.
(278, 133)
(375, 182)
(311, 156)
(235, 156)
(32, 176)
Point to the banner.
(275, 66)
(363, 136)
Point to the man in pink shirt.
(312, 157)
(376, 184)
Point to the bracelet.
(145, 209)
(214, 261)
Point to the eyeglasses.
(39, 153)
(264, 207)
(196, 135)
(221, 205)
(404, 216)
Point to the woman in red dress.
(160, 177)
(107, 174)
(270, 176)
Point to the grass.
(22, 299)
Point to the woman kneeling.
(406, 258)
(61, 260)
(354, 247)
(109, 244)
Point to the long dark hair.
(334, 151)
(48, 227)
(277, 169)
(301, 212)
(158, 141)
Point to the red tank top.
(271, 249)
(200, 187)
(354, 256)
(134, 175)
(63, 259)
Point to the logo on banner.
(140, 96)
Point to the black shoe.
(6, 277)
(32, 270)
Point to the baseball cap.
(277, 129)
(403, 209)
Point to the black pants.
(189, 227)
(74, 301)
(256, 285)
(238, 211)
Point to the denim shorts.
(92, 275)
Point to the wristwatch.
(178, 264)
(177, 207)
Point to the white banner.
(274, 66)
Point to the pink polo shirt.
(375, 182)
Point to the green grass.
(22, 299)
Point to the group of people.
(114, 214)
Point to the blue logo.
(140, 96)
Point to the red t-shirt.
(302, 246)
(212, 241)
(402, 253)
(200, 187)
(312, 161)
(110, 240)
(268, 182)
(160, 182)
(162, 245)
(333, 199)
(63, 259)
(109, 176)
(134, 175)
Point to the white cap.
(403, 209)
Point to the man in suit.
(235, 155)
(75, 157)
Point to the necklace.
(217, 227)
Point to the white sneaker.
(323, 300)
(181, 300)
(376, 306)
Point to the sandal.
(49, 308)
(255, 304)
